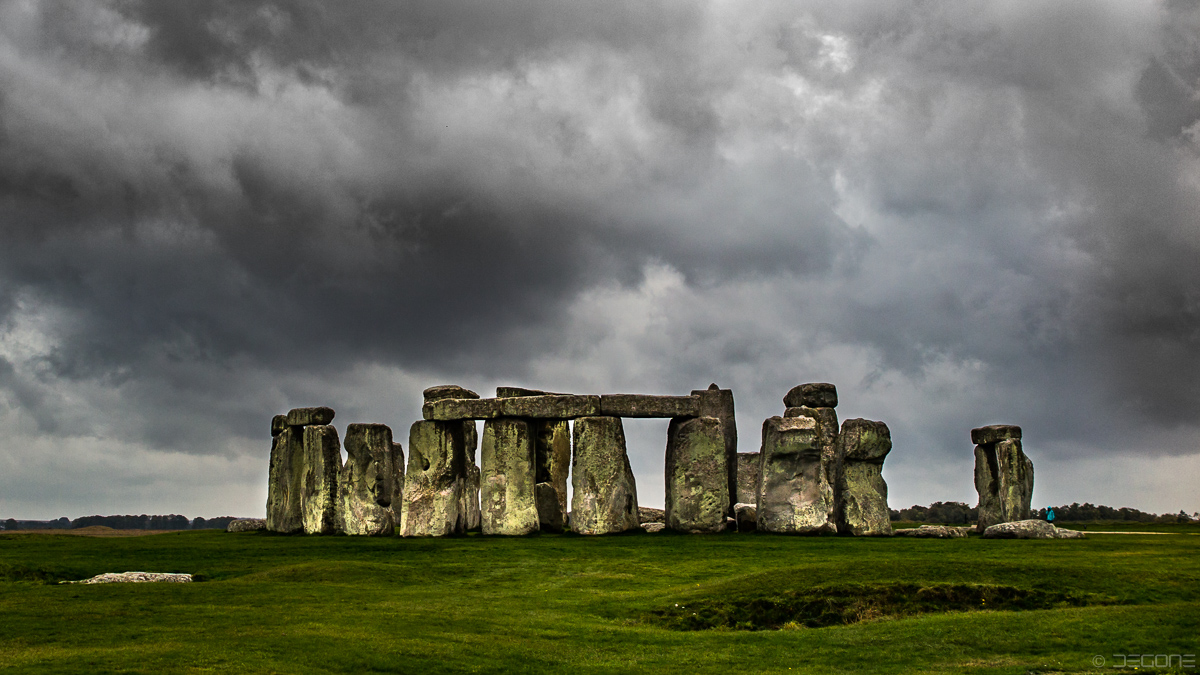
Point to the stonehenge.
(810, 476)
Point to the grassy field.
(730, 603)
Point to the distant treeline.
(957, 513)
(142, 522)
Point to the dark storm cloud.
(215, 210)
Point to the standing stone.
(604, 498)
(697, 476)
(552, 456)
(434, 481)
(827, 433)
(795, 495)
(508, 501)
(717, 402)
(748, 474)
(861, 494)
(367, 482)
(470, 493)
(551, 516)
(278, 424)
(1003, 476)
(285, 482)
(397, 483)
(321, 463)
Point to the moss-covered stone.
(285, 481)
(718, 403)
(302, 417)
(552, 457)
(398, 465)
(278, 424)
(319, 468)
(827, 433)
(861, 493)
(812, 395)
(538, 407)
(748, 474)
(1004, 481)
(551, 517)
(442, 391)
(434, 480)
(604, 498)
(642, 405)
(366, 483)
(795, 496)
(697, 476)
(508, 500)
(995, 433)
(470, 493)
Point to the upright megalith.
(283, 487)
(398, 465)
(795, 495)
(552, 460)
(470, 493)
(697, 476)
(748, 475)
(717, 402)
(604, 498)
(321, 464)
(508, 500)
(861, 492)
(434, 481)
(367, 482)
(1003, 475)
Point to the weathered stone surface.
(434, 480)
(1004, 481)
(246, 525)
(812, 395)
(827, 433)
(442, 391)
(604, 498)
(717, 402)
(648, 514)
(303, 417)
(285, 482)
(135, 578)
(367, 481)
(654, 527)
(1029, 529)
(551, 517)
(509, 392)
(748, 475)
(508, 500)
(321, 463)
(933, 532)
(697, 476)
(552, 459)
(398, 465)
(641, 405)
(861, 493)
(795, 495)
(470, 493)
(538, 407)
(995, 433)
(746, 516)
(278, 424)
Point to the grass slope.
(569, 603)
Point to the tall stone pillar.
(604, 498)
(367, 482)
(861, 494)
(818, 400)
(697, 476)
(795, 495)
(470, 493)
(749, 471)
(718, 403)
(303, 477)
(321, 465)
(552, 459)
(434, 481)
(1003, 475)
(283, 484)
(508, 503)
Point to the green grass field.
(735, 603)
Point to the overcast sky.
(960, 213)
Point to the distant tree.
(12, 524)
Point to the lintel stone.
(304, 417)
(995, 433)
(640, 405)
(532, 407)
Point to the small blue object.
(1049, 515)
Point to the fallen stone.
(246, 525)
(135, 578)
(551, 517)
(322, 462)
(367, 482)
(552, 459)
(654, 527)
(537, 407)
(933, 532)
(604, 498)
(648, 514)
(470, 493)
(812, 395)
(1004, 481)
(303, 417)
(995, 433)
(278, 424)
(639, 405)
(861, 493)
(285, 482)
(746, 516)
(795, 497)
(717, 402)
(748, 474)
(442, 391)
(434, 481)
(508, 500)
(1029, 529)
(697, 476)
